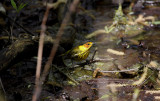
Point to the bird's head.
(85, 46)
(88, 45)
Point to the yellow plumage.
(79, 53)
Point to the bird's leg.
(91, 60)
(93, 55)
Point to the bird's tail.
(64, 54)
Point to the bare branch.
(58, 37)
(39, 82)
(120, 70)
(39, 60)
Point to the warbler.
(79, 53)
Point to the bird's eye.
(88, 44)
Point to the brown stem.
(39, 81)
(39, 60)
(58, 37)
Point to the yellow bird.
(79, 53)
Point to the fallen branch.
(19, 50)
(119, 70)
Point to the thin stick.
(53, 51)
(92, 61)
(119, 71)
(3, 89)
(39, 60)
(58, 37)
(94, 54)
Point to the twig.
(148, 78)
(58, 37)
(3, 89)
(94, 54)
(39, 60)
(120, 70)
(92, 61)
(115, 71)
(54, 49)
(7, 37)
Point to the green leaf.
(156, 22)
(14, 4)
(105, 96)
(21, 6)
(106, 28)
(111, 28)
